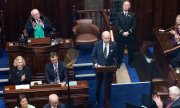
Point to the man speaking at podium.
(38, 26)
(104, 54)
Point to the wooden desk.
(38, 95)
(163, 47)
(37, 56)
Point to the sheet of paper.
(25, 86)
(72, 83)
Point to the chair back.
(87, 28)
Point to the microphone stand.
(69, 99)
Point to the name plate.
(25, 86)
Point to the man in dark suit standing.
(54, 102)
(104, 54)
(125, 23)
(55, 71)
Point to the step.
(82, 64)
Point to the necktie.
(125, 14)
(169, 105)
(56, 74)
(105, 51)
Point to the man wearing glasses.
(55, 72)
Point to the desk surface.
(38, 95)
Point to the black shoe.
(119, 65)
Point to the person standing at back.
(125, 22)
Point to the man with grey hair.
(174, 102)
(37, 25)
(54, 102)
(104, 54)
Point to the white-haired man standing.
(174, 102)
(104, 54)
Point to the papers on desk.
(25, 86)
(72, 83)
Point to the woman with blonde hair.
(20, 73)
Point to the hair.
(34, 10)
(19, 98)
(177, 19)
(16, 60)
(53, 54)
(174, 90)
(105, 33)
(126, 1)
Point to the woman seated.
(22, 102)
(20, 73)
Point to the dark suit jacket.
(17, 74)
(50, 74)
(176, 104)
(60, 105)
(47, 27)
(98, 55)
(125, 24)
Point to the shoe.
(119, 65)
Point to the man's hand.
(158, 101)
(125, 34)
(63, 84)
(97, 65)
(34, 24)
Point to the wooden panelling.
(150, 13)
(18, 11)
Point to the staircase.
(4, 74)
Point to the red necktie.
(169, 105)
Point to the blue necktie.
(57, 80)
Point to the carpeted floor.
(128, 92)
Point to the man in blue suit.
(104, 54)
(55, 71)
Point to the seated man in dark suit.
(55, 71)
(54, 102)
(38, 26)
(174, 102)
